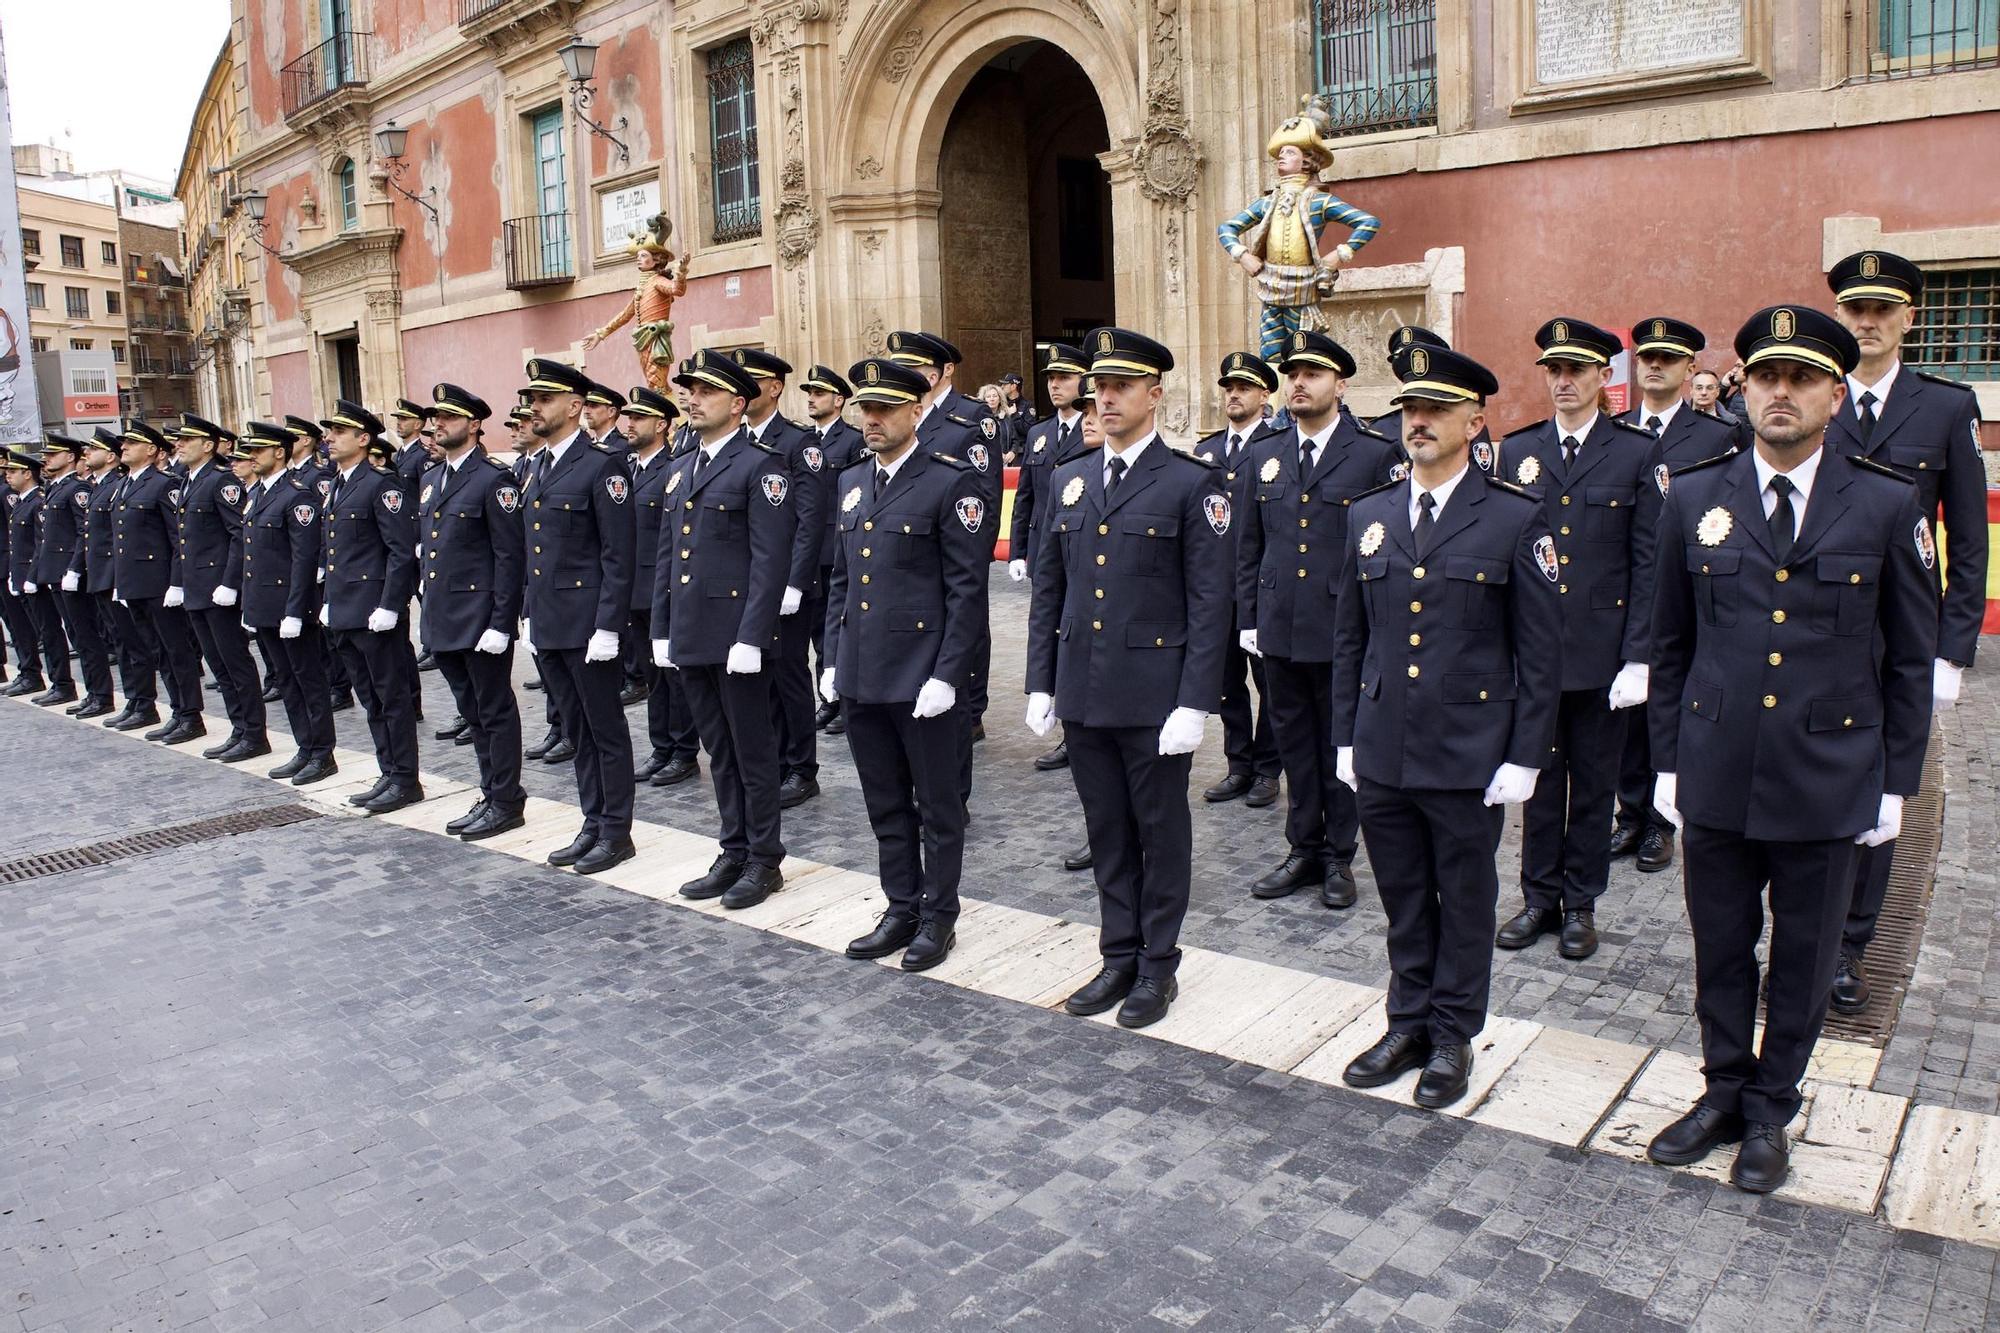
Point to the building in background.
(20, 409)
(161, 335)
(218, 295)
(76, 294)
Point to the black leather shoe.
(1299, 870)
(396, 797)
(1338, 890)
(1656, 851)
(75, 708)
(25, 685)
(272, 694)
(426, 662)
(1231, 787)
(931, 946)
(1579, 934)
(1148, 1002)
(562, 752)
(677, 771)
(837, 727)
(468, 819)
(1101, 992)
(891, 933)
(716, 882)
(363, 798)
(1445, 1076)
(492, 823)
(316, 770)
(796, 789)
(542, 746)
(1625, 839)
(534, 682)
(978, 732)
(825, 714)
(1080, 859)
(118, 716)
(248, 747)
(160, 732)
(184, 730)
(93, 708)
(1764, 1160)
(59, 694)
(289, 767)
(1053, 759)
(452, 730)
(606, 855)
(1387, 1060)
(1850, 985)
(1695, 1135)
(1526, 926)
(340, 700)
(635, 693)
(145, 717)
(1263, 792)
(645, 771)
(753, 886)
(570, 855)
(465, 737)
(228, 744)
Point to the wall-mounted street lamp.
(255, 203)
(389, 144)
(579, 62)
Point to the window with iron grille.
(76, 302)
(1376, 60)
(72, 251)
(38, 296)
(1910, 38)
(732, 141)
(1957, 329)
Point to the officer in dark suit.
(309, 464)
(601, 407)
(1247, 382)
(143, 557)
(1927, 428)
(1663, 358)
(25, 523)
(1447, 668)
(369, 563)
(97, 558)
(579, 598)
(1596, 481)
(208, 579)
(1795, 624)
(281, 596)
(1297, 486)
(1018, 416)
(407, 456)
(812, 485)
(669, 722)
(725, 556)
(14, 614)
(59, 565)
(840, 448)
(904, 611)
(473, 546)
(1390, 423)
(554, 747)
(1127, 629)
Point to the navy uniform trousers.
(219, 632)
(1135, 806)
(387, 690)
(1564, 862)
(483, 685)
(138, 652)
(174, 645)
(93, 658)
(733, 715)
(909, 770)
(300, 675)
(585, 695)
(669, 723)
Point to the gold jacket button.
(1776, 659)
(864, 579)
(1777, 617)
(1100, 594)
(1097, 624)
(1417, 573)
(1416, 640)
(1565, 499)
(1414, 672)
(1103, 530)
(868, 525)
(1854, 578)
(864, 606)
(1782, 574)
(1415, 607)
(1770, 701)
(1100, 559)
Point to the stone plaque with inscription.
(1580, 40)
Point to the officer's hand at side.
(1945, 680)
(1247, 641)
(1888, 823)
(491, 641)
(31, 588)
(663, 654)
(1511, 785)
(1017, 570)
(1181, 732)
(934, 699)
(1343, 765)
(381, 620)
(744, 660)
(603, 646)
(527, 634)
(324, 612)
(175, 596)
(1628, 687)
(291, 627)
(789, 604)
(1041, 713)
(826, 685)
(225, 596)
(70, 581)
(1667, 790)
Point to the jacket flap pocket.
(916, 525)
(1719, 560)
(1151, 525)
(1848, 567)
(1373, 567)
(911, 619)
(1475, 569)
(1156, 634)
(1703, 698)
(1860, 710)
(1615, 497)
(1477, 687)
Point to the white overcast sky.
(113, 81)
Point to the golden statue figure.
(662, 281)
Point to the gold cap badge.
(1561, 331)
(1783, 324)
(1871, 266)
(1420, 362)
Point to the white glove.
(12, 588)
(174, 597)
(663, 654)
(1017, 570)
(319, 575)
(1247, 641)
(381, 620)
(744, 660)
(1628, 687)
(1181, 732)
(934, 699)
(1041, 713)
(527, 634)
(826, 685)
(225, 596)
(603, 646)
(1511, 785)
(324, 612)
(1945, 679)
(70, 582)
(1666, 789)
(1343, 766)
(491, 641)
(789, 604)
(1888, 823)
(291, 627)
(31, 588)
(420, 550)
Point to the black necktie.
(1235, 447)
(1784, 522)
(1117, 475)
(1867, 417)
(1062, 436)
(1569, 449)
(542, 467)
(1655, 425)
(1426, 522)
(881, 481)
(700, 463)
(1305, 457)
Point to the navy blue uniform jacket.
(581, 536)
(725, 552)
(474, 545)
(281, 552)
(143, 547)
(369, 557)
(209, 552)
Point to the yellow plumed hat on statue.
(1308, 131)
(653, 238)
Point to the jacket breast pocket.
(1156, 634)
(910, 537)
(1717, 592)
(1845, 587)
(1370, 571)
(1915, 457)
(1150, 543)
(1856, 713)
(727, 515)
(1703, 698)
(1476, 590)
(1477, 687)
(1608, 511)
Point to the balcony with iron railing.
(1375, 63)
(142, 322)
(334, 67)
(486, 20)
(539, 253)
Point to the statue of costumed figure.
(662, 281)
(1280, 239)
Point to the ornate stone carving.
(1089, 15)
(1168, 161)
(797, 223)
(868, 168)
(901, 57)
(384, 304)
(875, 337)
(871, 243)
(1163, 80)
(798, 231)
(1171, 268)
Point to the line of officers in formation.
(1630, 625)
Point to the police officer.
(725, 556)
(1390, 423)
(1247, 382)
(1927, 428)
(14, 613)
(473, 547)
(59, 565)
(143, 558)
(25, 523)
(839, 444)
(1298, 484)
(281, 596)
(553, 747)
(1795, 623)
(137, 665)
(669, 723)
(408, 457)
(369, 562)
(1050, 443)
(601, 406)
(1594, 477)
(1446, 669)
(310, 465)
(208, 578)
(1663, 357)
(812, 485)
(1126, 632)
(904, 611)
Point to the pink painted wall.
(291, 387)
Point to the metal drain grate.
(153, 840)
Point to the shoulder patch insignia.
(617, 488)
(1529, 471)
(1039, 443)
(815, 457)
(977, 453)
(987, 427)
(1400, 472)
(1661, 478)
(508, 496)
(850, 501)
(776, 487)
(971, 512)
(231, 493)
(82, 499)
(1714, 526)
(174, 497)
(1215, 508)
(1926, 545)
(1268, 472)
(392, 499)
(1371, 539)
(1482, 455)
(1073, 491)
(325, 485)
(1545, 556)
(304, 515)
(673, 482)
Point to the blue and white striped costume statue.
(1278, 239)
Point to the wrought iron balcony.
(335, 65)
(539, 253)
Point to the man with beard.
(669, 723)
(208, 578)
(281, 596)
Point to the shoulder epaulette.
(1523, 430)
(952, 461)
(1632, 426)
(1874, 466)
(1379, 486)
(602, 447)
(756, 443)
(1723, 457)
(963, 421)
(495, 462)
(1509, 487)
(1370, 431)
(1192, 458)
(1940, 379)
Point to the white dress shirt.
(1131, 457)
(1801, 477)
(1441, 493)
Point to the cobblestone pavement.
(347, 1075)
